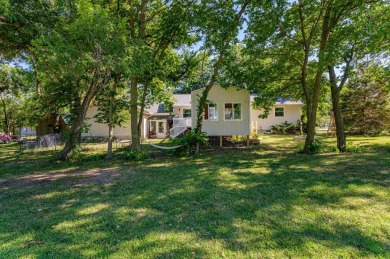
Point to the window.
(210, 112)
(186, 113)
(232, 111)
(279, 112)
(161, 128)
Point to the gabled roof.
(182, 100)
(284, 101)
(178, 100)
(158, 109)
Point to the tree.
(365, 103)
(289, 41)
(156, 29)
(77, 60)
(5, 89)
(76, 48)
(193, 73)
(15, 95)
(112, 102)
(357, 37)
(297, 45)
(22, 21)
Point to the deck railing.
(180, 125)
(182, 122)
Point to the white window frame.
(284, 111)
(188, 110)
(224, 118)
(208, 112)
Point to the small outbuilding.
(50, 124)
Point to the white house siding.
(220, 96)
(292, 114)
(101, 130)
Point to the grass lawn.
(261, 201)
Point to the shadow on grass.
(231, 202)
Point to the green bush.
(285, 128)
(353, 148)
(135, 155)
(255, 135)
(188, 142)
(315, 148)
(333, 149)
(76, 155)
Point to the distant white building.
(27, 132)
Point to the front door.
(161, 129)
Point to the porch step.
(177, 131)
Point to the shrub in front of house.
(285, 128)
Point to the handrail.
(176, 131)
(183, 122)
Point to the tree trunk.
(304, 81)
(37, 81)
(311, 120)
(340, 131)
(135, 139)
(304, 86)
(142, 109)
(6, 121)
(75, 131)
(203, 99)
(110, 124)
(135, 132)
(110, 132)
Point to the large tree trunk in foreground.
(340, 132)
(312, 117)
(135, 137)
(75, 131)
(135, 132)
(338, 116)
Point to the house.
(229, 112)
(283, 110)
(165, 122)
(97, 129)
(157, 121)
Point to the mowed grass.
(262, 201)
